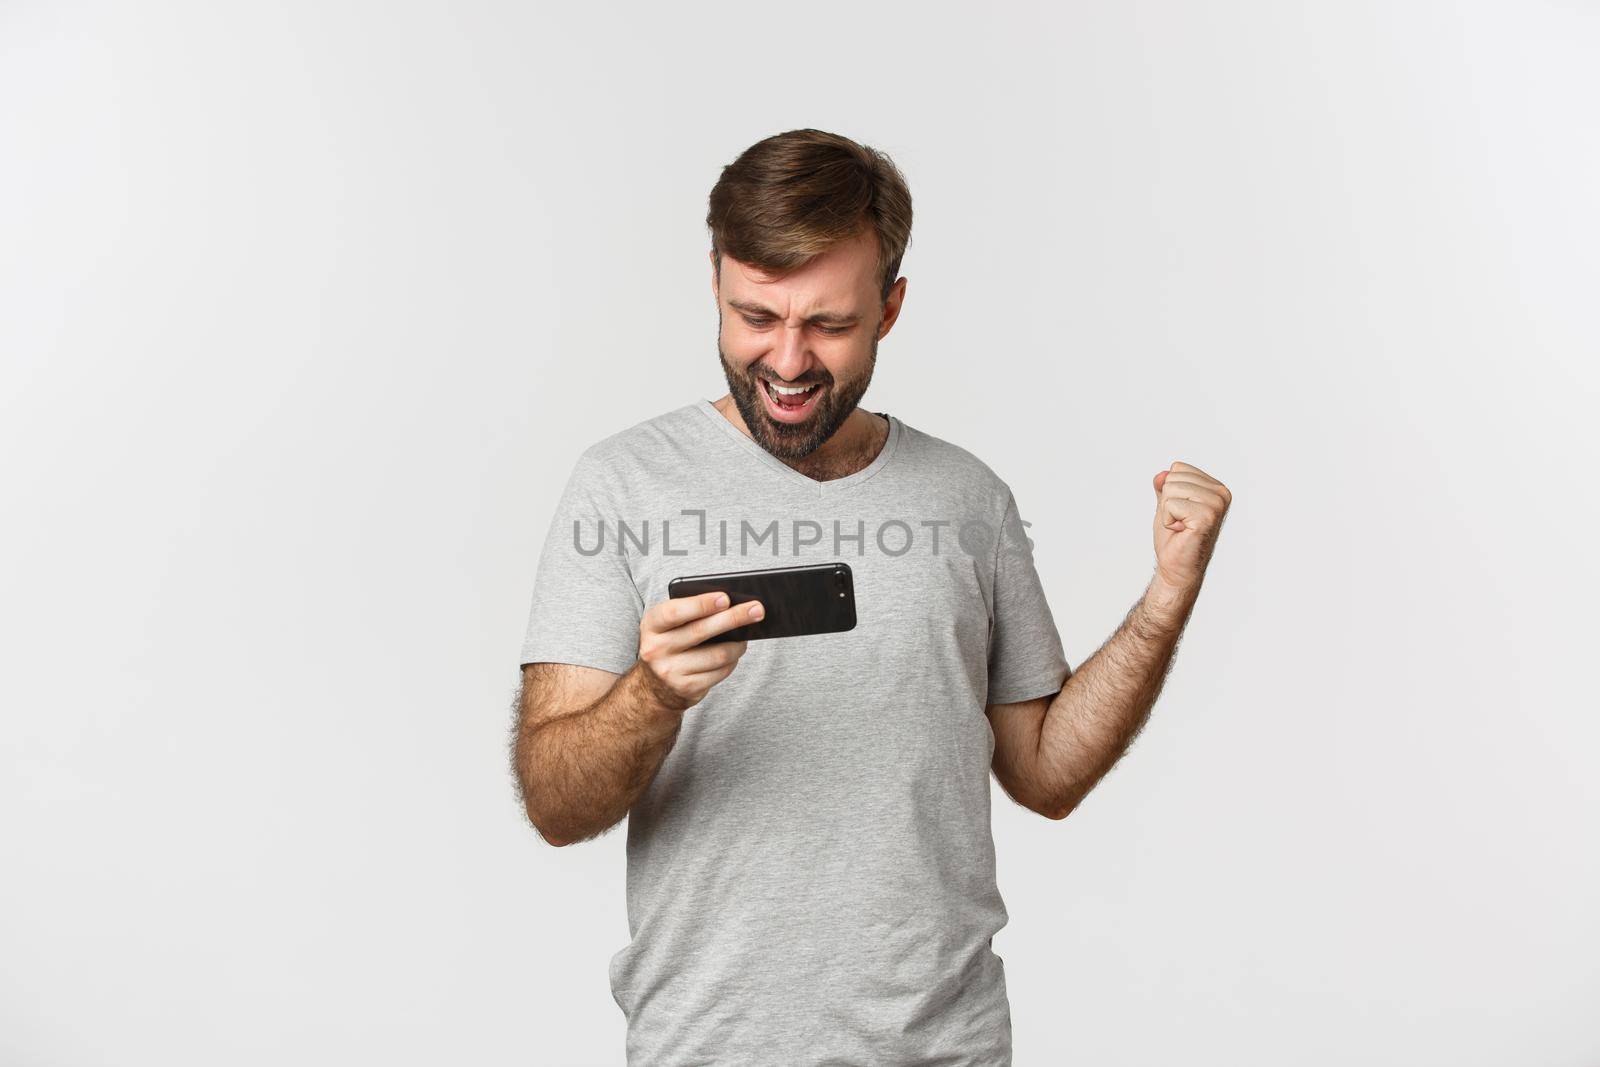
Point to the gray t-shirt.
(811, 875)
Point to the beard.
(795, 441)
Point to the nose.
(788, 357)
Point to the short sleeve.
(1025, 655)
(586, 608)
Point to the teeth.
(782, 391)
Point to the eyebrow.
(822, 316)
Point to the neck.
(852, 446)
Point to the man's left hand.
(1190, 506)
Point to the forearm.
(583, 771)
(1102, 707)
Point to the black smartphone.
(819, 598)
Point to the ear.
(892, 305)
(714, 285)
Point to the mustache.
(797, 383)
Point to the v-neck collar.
(831, 487)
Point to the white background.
(308, 308)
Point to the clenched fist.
(1190, 506)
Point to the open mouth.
(790, 403)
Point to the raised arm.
(1050, 752)
(588, 742)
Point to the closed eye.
(829, 330)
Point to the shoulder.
(960, 483)
(947, 463)
(643, 437)
(640, 452)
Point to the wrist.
(1169, 602)
(663, 708)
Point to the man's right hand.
(672, 661)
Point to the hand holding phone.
(818, 598)
(677, 663)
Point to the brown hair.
(789, 197)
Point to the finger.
(1187, 481)
(692, 633)
(1192, 477)
(1194, 488)
(705, 658)
(707, 679)
(1191, 514)
(1160, 478)
(676, 611)
(1211, 494)
(1180, 467)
